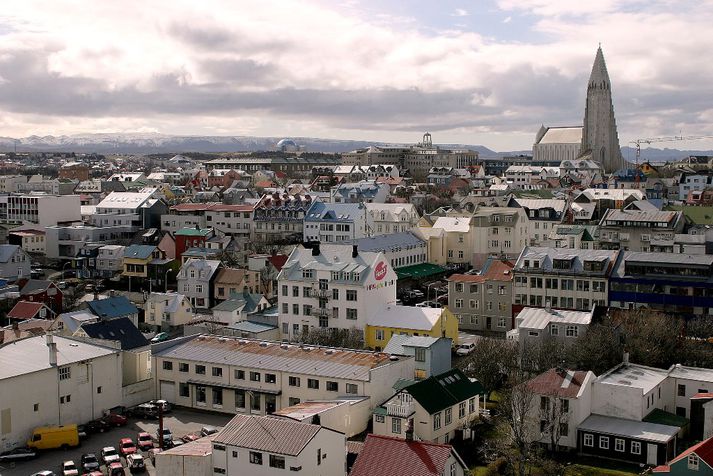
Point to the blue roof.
(389, 242)
(7, 251)
(335, 211)
(139, 251)
(113, 307)
(249, 326)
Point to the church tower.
(600, 139)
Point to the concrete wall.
(183, 465)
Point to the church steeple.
(599, 78)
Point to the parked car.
(145, 410)
(167, 436)
(187, 438)
(135, 462)
(160, 337)
(62, 285)
(144, 441)
(163, 404)
(127, 447)
(89, 462)
(431, 304)
(109, 455)
(208, 430)
(82, 432)
(18, 454)
(465, 349)
(68, 468)
(46, 472)
(119, 410)
(114, 419)
(115, 469)
(98, 426)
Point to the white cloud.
(507, 20)
(460, 12)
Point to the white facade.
(84, 382)
(11, 183)
(110, 259)
(328, 287)
(168, 310)
(44, 210)
(387, 218)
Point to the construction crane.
(655, 140)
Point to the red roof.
(559, 383)
(386, 456)
(278, 261)
(499, 271)
(702, 396)
(704, 450)
(25, 310)
(211, 206)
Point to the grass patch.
(586, 470)
(479, 471)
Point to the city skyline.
(485, 73)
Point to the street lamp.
(64, 266)
(165, 280)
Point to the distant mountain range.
(153, 143)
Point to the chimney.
(548, 306)
(315, 249)
(197, 227)
(409, 430)
(15, 325)
(52, 349)
(626, 357)
(355, 251)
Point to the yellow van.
(50, 437)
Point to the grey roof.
(29, 355)
(539, 318)
(547, 255)
(669, 258)
(637, 430)
(335, 211)
(249, 326)
(73, 320)
(641, 216)
(270, 434)
(390, 242)
(306, 360)
(7, 251)
(36, 285)
(539, 203)
(399, 341)
(332, 258)
(139, 251)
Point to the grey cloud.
(214, 38)
(240, 71)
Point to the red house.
(191, 238)
(44, 291)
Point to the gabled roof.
(399, 341)
(386, 456)
(113, 307)
(704, 450)
(121, 329)
(442, 391)
(74, 320)
(558, 382)
(262, 433)
(139, 251)
(34, 286)
(7, 251)
(26, 310)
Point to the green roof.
(665, 418)
(193, 232)
(540, 193)
(380, 411)
(402, 383)
(422, 270)
(442, 391)
(695, 215)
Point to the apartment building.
(635, 230)
(280, 218)
(11, 183)
(43, 210)
(535, 326)
(563, 278)
(110, 260)
(130, 211)
(400, 249)
(196, 281)
(543, 215)
(483, 302)
(235, 220)
(32, 241)
(332, 286)
(236, 375)
(387, 218)
(366, 191)
(499, 231)
(335, 222)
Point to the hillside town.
(393, 310)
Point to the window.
(295, 291)
(461, 409)
(471, 405)
(449, 416)
(379, 334)
(459, 287)
(604, 442)
(255, 457)
(199, 288)
(572, 331)
(200, 369)
(64, 373)
(420, 355)
(351, 313)
(255, 402)
(240, 374)
(352, 388)
(619, 445)
(277, 461)
(294, 381)
(437, 421)
(36, 407)
(332, 386)
(285, 308)
(564, 405)
(554, 330)
(219, 470)
(453, 469)
(681, 390)
(200, 394)
(240, 399)
(313, 383)
(306, 291)
(217, 371)
(564, 429)
(589, 440)
(183, 390)
(396, 425)
(217, 396)
(635, 447)
(270, 378)
(167, 365)
(351, 295)
(296, 309)
(254, 376)
(379, 418)
(219, 447)
(182, 367)
(693, 462)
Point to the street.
(180, 422)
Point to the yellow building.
(137, 259)
(409, 320)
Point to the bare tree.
(352, 338)
(554, 413)
(490, 362)
(517, 431)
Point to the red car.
(127, 447)
(115, 469)
(115, 419)
(144, 441)
(189, 437)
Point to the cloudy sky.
(478, 72)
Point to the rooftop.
(453, 224)
(559, 382)
(562, 135)
(634, 375)
(399, 341)
(444, 390)
(405, 317)
(540, 318)
(638, 430)
(122, 330)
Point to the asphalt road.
(180, 422)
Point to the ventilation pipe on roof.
(315, 249)
(52, 349)
(626, 357)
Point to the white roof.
(692, 373)
(126, 199)
(405, 317)
(539, 318)
(562, 135)
(458, 224)
(614, 193)
(29, 355)
(538, 203)
(635, 376)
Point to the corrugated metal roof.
(637, 430)
(538, 318)
(405, 317)
(538, 203)
(273, 435)
(639, 216)
(306, 360)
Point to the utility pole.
(160, 426)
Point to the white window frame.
(604, 442)
(588, 440)
(636, 447)
(619, 445)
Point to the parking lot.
(179, 421)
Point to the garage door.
(168, 391)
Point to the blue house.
(432, 355)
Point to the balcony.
(320, 312)
(399, 409)
(320, 293)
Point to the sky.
(471, 72)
